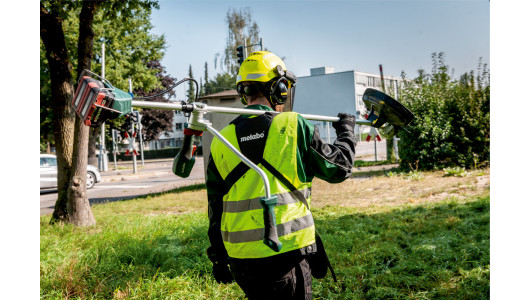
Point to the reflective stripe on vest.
(242, 220)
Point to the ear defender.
(279, 91)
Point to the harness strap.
(285, 182)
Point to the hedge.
(452, 119)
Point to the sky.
(346, 35)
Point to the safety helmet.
(269, 71)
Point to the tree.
(241, 30)
(191, 87)
(155, 121)
(207, 85)
(72, 204)
(223, 82)
(70, 136)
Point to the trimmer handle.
(269, 217)
(184, 161)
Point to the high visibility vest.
(242, 225)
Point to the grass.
(362, 163)
(387, 237)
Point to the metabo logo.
(253, 137)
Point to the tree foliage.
(242, 29)
(129, 47)
(223, 82)
(155, 121)
(191, 87)
(452, 118)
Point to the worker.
(289, 150)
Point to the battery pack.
(95, 102)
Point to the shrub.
(452, 118)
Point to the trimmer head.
(385, 113)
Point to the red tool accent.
(188, 131)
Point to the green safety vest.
(242, 226)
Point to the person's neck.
(263, 101)
(260, 100)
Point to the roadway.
(156, 176)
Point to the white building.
(170, 139)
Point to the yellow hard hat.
(259, 66)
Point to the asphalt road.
(156, 176)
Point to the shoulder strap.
(234, 176)
(285, 182)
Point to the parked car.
(48, 173)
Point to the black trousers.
(286, 276)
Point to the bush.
(452, 119)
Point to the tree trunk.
(78, 205)
(72, 203)
(52, 36)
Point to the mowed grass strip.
(414, 241)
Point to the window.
(374, 81)
(178, 126)
(48, 162)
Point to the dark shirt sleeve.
(330, 162)
(215, 187)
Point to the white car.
(48, 173)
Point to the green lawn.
(155, 248)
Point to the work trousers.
(284, 277)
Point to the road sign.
(130, 148)
(373, 135)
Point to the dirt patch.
(397, 190)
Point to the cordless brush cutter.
(97, 100)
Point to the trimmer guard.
(384, 109)
(386, 113)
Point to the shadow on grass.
(194, 187)
(434, 251)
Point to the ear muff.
(250, 90)
(279, 91)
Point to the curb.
(123, 177)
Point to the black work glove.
(346, 122)
(221, 273)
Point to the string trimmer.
(97, 100)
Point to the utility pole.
(390, 155)
(114, 147)
(103, 159)
(394, 138)
(140, 140)
(132, 140)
